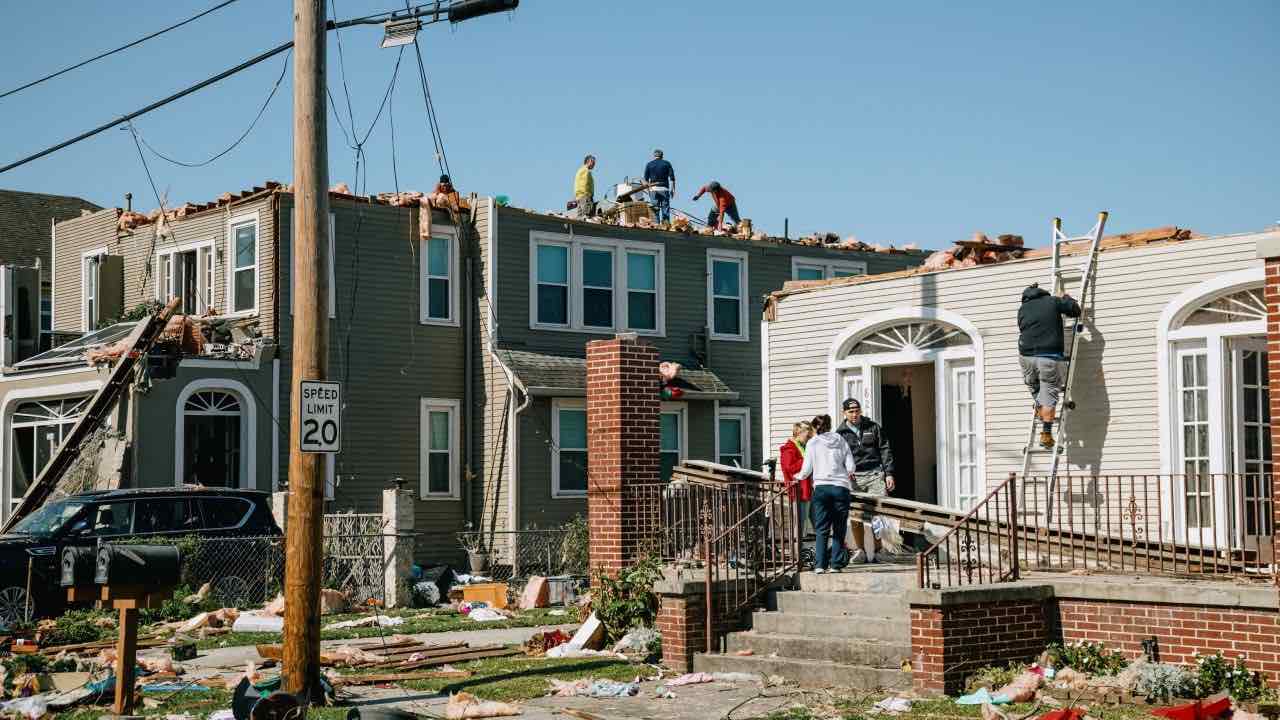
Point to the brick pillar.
(622, 443)
(1271, 294)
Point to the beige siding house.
(1171, 373)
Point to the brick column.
(1271, 294)
(622, 444)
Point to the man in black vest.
(873, 475)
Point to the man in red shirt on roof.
(725, 204)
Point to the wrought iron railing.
(1199, 525)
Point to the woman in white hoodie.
(828, 461)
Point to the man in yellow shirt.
(584, 187)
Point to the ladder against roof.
(1086, 272)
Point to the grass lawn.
(197, 704)
(941, 709)
(416, 621)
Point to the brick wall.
(949, 642)
(682, 620)
(622, 443)
(1271, 294)
(1180, 629)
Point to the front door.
(1251, 456)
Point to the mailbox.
(78, 566)
(157, 566)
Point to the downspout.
(468, 375)
(513, 382)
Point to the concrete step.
(809, 673)
(840, 650)
(852, 627)
(876, 578)
(878, 605)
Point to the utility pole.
(303, 537)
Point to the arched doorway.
(918, 371)
(1215, 412)
(215, 435)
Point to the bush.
(993, 676)
(627, 601)
(1215, 674)
(576, 548)
(1087, 657)
(1160, 682)
(177, 607)
(77, 626)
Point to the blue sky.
(897, 122)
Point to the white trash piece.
(258, 623)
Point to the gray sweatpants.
(1043, 377)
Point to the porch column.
(1269, 250)
(622, 445)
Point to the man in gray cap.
(873, 460)
(662, 178)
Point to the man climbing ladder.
(1040, 346)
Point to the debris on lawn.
(891, 706)
(465, 706)
(540, 643)
(258, 622)
(536, 593)
(400, 653)
(484, 614)
(368, 621)
(593, 688)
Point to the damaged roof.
(1160, 236)
(544, 374)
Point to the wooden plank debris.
(346, 680)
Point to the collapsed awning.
(546, 375)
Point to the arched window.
(911, 336)
(39, 427)
(1239, 306)
(214, 438)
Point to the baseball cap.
(851, 403)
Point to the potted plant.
(477, 553)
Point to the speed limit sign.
(321, 416)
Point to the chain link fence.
(513, 556)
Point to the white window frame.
(248, 428)
(205, 251)
(233, 223)
(14, 398)
(580, 288)
(828, 267)
(450, 236)
(658, 320)
(681, 411)
(454, 409)
(743, 413)
(558, 404)
(739, 257)
(575, 244)
(333, 262)
(85, 257)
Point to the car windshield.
(49, 519)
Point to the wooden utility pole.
(303, 529)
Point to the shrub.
(993, 676)
(1089, 658)
(1160, 682)
(627, 601)
(576, 548)
(77, 626)
(1215, 674)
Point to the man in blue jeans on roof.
(663, 178)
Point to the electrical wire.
(441, 158)
(283, 69)
(108, 53)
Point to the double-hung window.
(727, 294)
(597, 287)
(823, 269)
(568, 448)
(90, 292)
(440, 463)
(552, 304)
(439, 268)
(733, 436)
(595, 284)
(642, 290)
(673, 432)
(243, 232)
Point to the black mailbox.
(78, 565)
(156, 566)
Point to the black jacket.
(1040, 321)
(869, 446)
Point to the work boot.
(1046, 439)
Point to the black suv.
(30, 552)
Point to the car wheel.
(232, 591)
(13, 606)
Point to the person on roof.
(1040, 350)
(662, 181)
(584, 188)
(445, 196)
(726, 204)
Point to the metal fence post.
(710, 580)
(1016, 570)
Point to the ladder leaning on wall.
(1066, 399)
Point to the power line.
(139, 41)
(283, 69)
(454, 13)
(441, 159)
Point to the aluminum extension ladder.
(1066, 400)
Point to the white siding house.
(1172, 374)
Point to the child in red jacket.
(792, 458)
